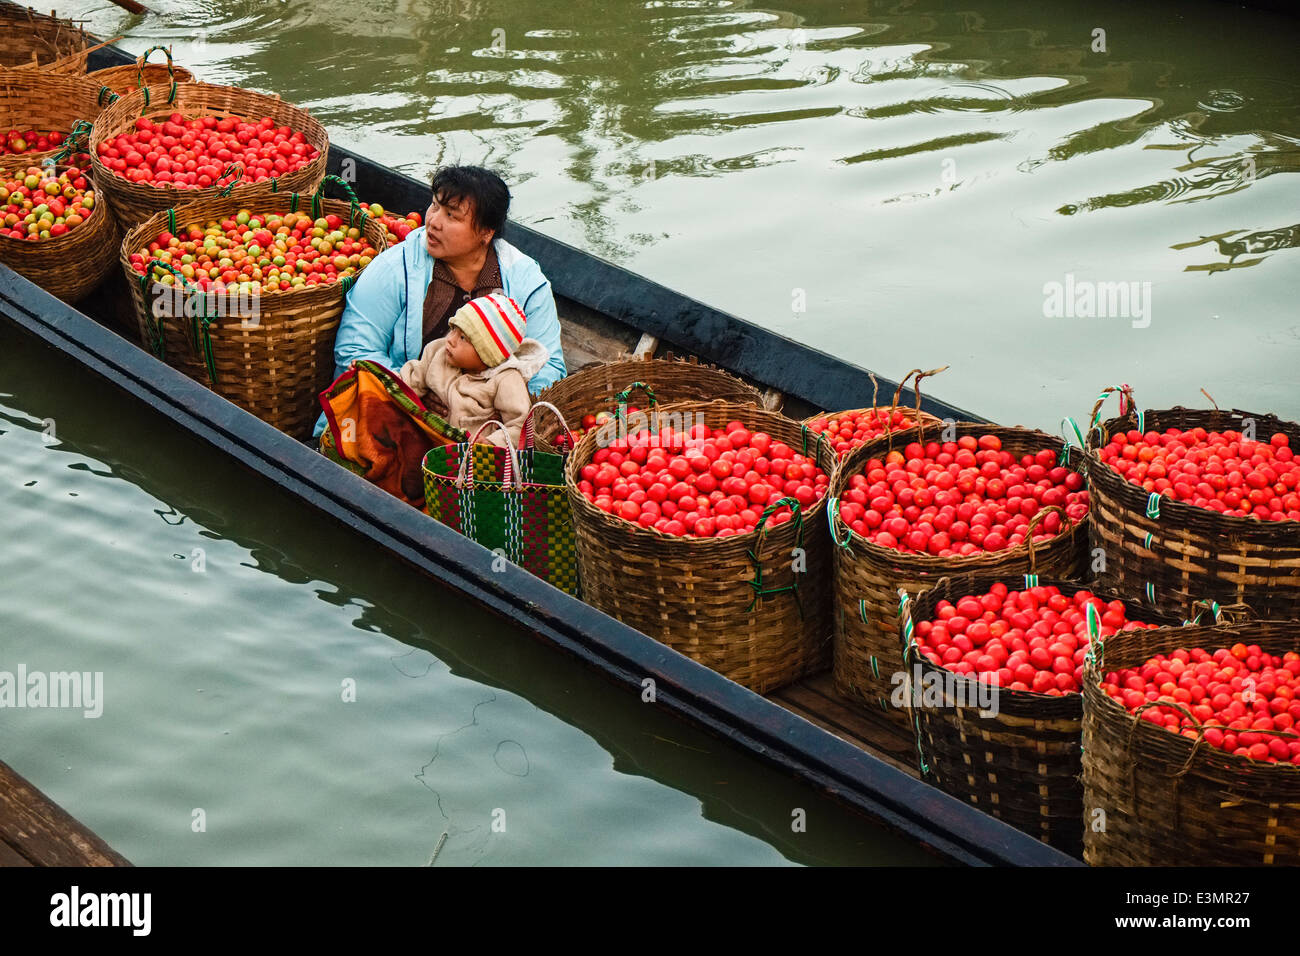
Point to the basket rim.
(848, 466)
(580, 503)
(1182, 509)
(124, 254)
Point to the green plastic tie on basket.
(1094, 632)
(911, 654)
(347, 282)
(620, 407)
(99, 100)
(1031, 580)
(832, 516)
(1146, 542)
(293, 202)
(862, 610)
(1153, 505)
(904, 615)
(757, 582)
(1065, 447)
(171, 220)
(1151, 593)
(153, 330)
(78, 138)
(226, 189)
(1201, 607)
(201, 336)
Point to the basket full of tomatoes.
(848, 429)
(911, 507)
(994, 670)
(39, 112)
(161, 146)
(700, 525)
(1197, 503)
(247, 300)
(1191, 748)
(54, 231)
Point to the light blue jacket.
(383, 319)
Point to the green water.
(913, 173)
(225, 619)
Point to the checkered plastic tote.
(510, 500)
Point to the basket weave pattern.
(1189, 553)
(696, 594)
(31, 40)
(274, 367)
(1172, 801)
(43, 101)
(867, 577)
(135, 202)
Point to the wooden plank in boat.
(37, 830)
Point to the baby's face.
(461, 352)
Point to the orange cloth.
(381, 430)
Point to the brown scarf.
(445, 297)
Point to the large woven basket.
(912, 415)
(701, 596)
(596, 388)
(31, 99)
(123, 79)
(1173, 552)
(68, 266)
(1167, 800)
(868, 576)
(31, 40)
(1019, 759)
(135, 202)
(275, 366)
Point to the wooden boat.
(805, 729)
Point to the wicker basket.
(128, 77)
(1018, 759)
(1167, 800)
(31, 40)
(755, 621)
(68, 266)
(1176, 553)
(44, 101)
(135, 202)
(913, 415)
(596, 388)
(868, 576)
(275, 366)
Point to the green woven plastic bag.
(510, 500)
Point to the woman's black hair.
(485, 189)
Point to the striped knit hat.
(494, 325)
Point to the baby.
(480, 369)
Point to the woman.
(406, 297)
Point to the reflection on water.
(911, 165)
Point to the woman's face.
(461, 352)
(449, 230)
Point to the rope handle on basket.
(893, 406)
(833, 516)
(620, 404)
(224, 191)
(171, 71)
(78, 139)
(348, 193)
(113, 97)
(757, 582)
(200, 327)
(465, 473)
(916, 390)
(1035, 521)
(1126, 400)
(911, 655)
(527, 436)
(1223, 613)
(1064, 459)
